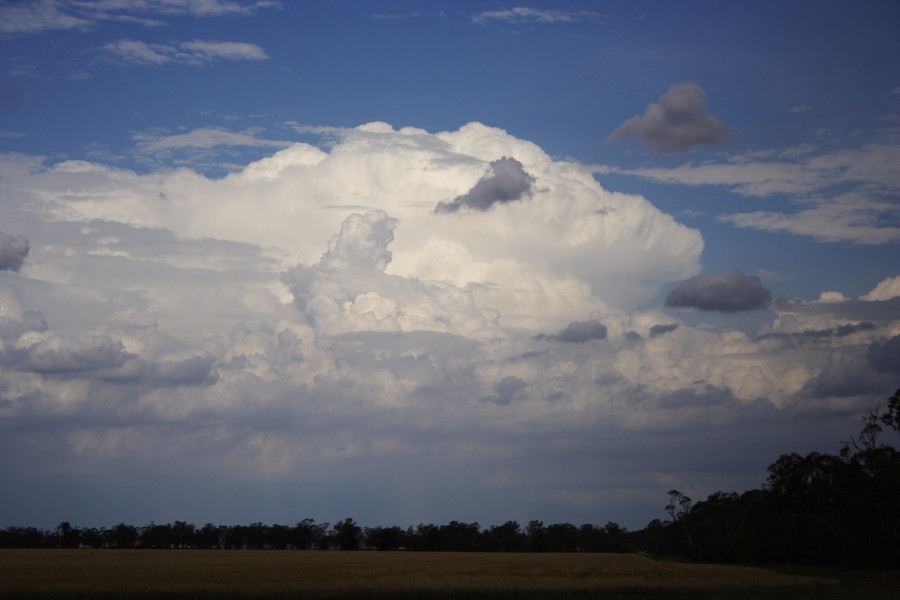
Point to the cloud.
(657, 330)
(13, 251)
(50, 15)
(521, 14)
(349, 291)
(532, 261)
(37, 17)
(506, 390)
(843, 196)
(56, 355)
(847, 218)
(676, 123)
(885, 357)
(724, 292)
(205, 148)
(507, 181)
(839, 331)
(396, 16)
(885, 290)
(578, 332)
(337, 329)
(196, 52)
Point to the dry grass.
(352, 574)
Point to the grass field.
(137, 574)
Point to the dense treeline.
(818, 509)
(344, 535)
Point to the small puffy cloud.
(196, 52)
(677, 122)
(885, 290)
(724, 292)
(507, 181)
(522, 14)
(578, 332)
(832, 297)
(13, 250)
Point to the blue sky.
(499, 261)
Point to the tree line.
(818, 509)
(344, 535)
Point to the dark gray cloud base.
(658, 330)
(676, 123)
(885, 357)
(577, 332)
(507, 181)
(724, 292)
(13, 250)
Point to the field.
(135, 574)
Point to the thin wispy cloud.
(40, 16)
(195, 52)
(853, 218)
(396, 16)
(203, 138)
(841, 196)
(523, 15)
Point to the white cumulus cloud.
(312, 318)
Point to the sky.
(414, 262)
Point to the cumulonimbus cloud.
(724, 292)
(677, 122)
(336, 324)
